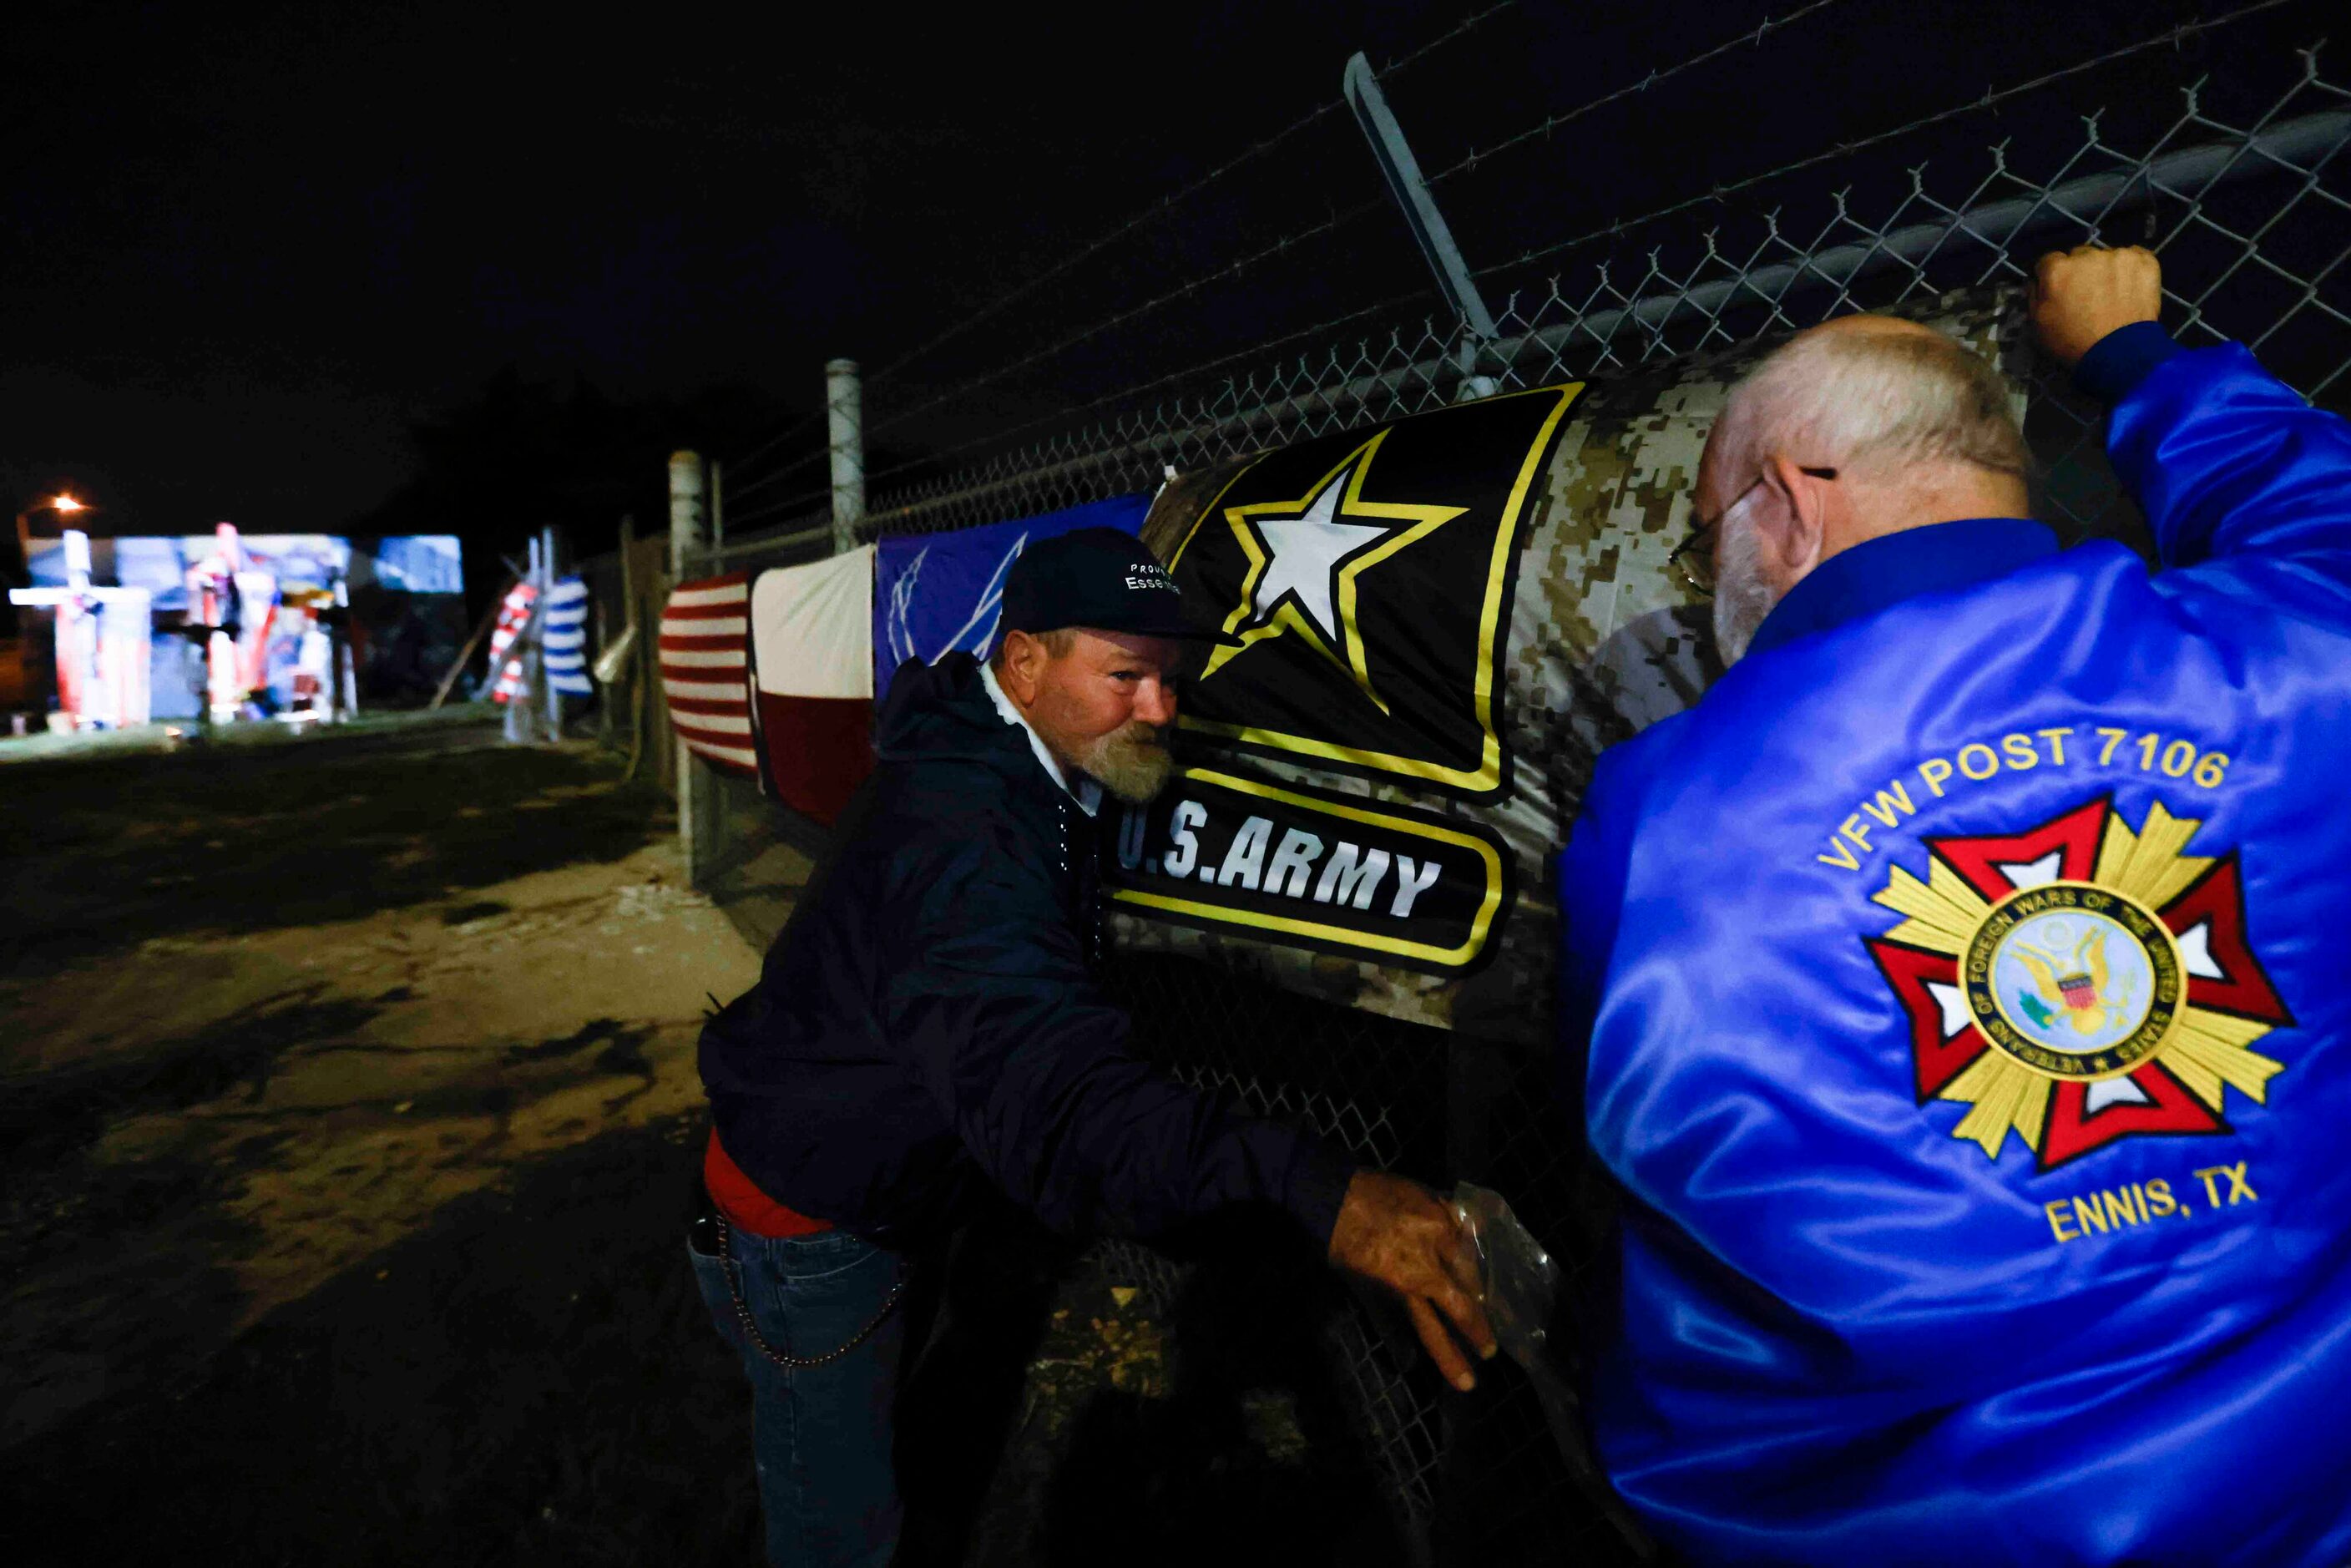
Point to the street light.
(62, 503)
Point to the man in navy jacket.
(929, 1024)
(1959, 991)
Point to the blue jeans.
(820, 1436)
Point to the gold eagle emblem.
(2075, 984)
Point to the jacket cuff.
(1317, 1187)
(2125, 357)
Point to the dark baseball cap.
(1099, 578)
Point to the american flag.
(705, 670)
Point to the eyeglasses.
(1693, 557)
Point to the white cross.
(104, 638)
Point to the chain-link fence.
(2246, 216)
(2241, 187)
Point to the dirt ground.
(347, 1115)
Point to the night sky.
(247, 248)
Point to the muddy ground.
(346, 1122)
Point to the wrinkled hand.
(2081, 295)
(1401, 1235)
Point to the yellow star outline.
(1423, 521)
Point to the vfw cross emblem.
(2079, 983)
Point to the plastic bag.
(1519, 1283)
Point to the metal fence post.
(605, 697)
(543, 683)
(1429, 229)
(845, 432)
(686, 543)
(517, 719)
(688, 531)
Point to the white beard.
(1742, 597)
(1132, 763)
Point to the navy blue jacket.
(930, 1017)
(1970, 1031)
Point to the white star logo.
(1307, 551)
(1306, 557)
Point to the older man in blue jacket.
(1960, 990)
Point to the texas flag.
(812, 668)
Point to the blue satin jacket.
(1967, 985)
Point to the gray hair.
(1878, 394)
(1058, 643)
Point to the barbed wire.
(1126, 393)
(1155, 213)
(775, 475)
(1061, 268)
(790, 430)
(1992, 98)
(1193, 372)
(1377, 378)
(1752, 36)
(1093, 406)
(1468, 23)
(1330, 224)
(1167, 204)
(1749, 37)
(1004, 437)
(809, 501)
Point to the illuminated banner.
(405, 618)
(1312, 869)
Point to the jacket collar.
(1879, 573)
